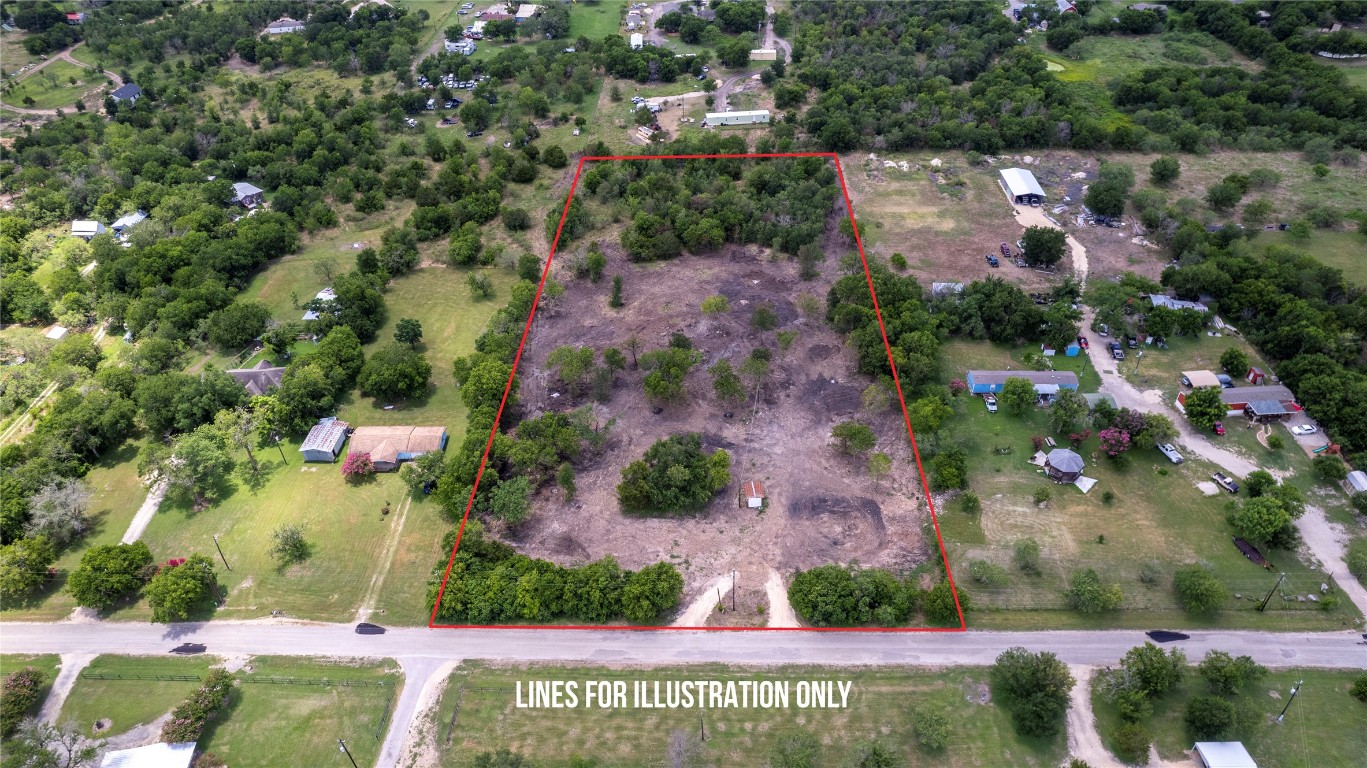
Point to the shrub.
(1330, 468)
(1027, 556)
(1086, 592)
(986, 573)
(1198, 589)
(289, 544)
(1226, 674)
(357, 466)
(1107, 497)
(1165, 170)
(1034, 687)
(970, 503)
(1357, 558)
(939, 604)
(932, 728)
(898, 261)
(1359, 690)
(832, 595)
(1132, 743)
(189, 718)
(1043, 494)
(1275, 442)
(19, 694)
(1209, 718)
(1150, 573)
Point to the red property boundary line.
(859, 243)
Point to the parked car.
(473, 134)
(1304, 429)
(1006, 249)
(189, 649)
(1225, 380)
(991, 401)
(1118, 353)
(1225, 482)
(1103, 330)
(1082, 342)
(1219, 427)
(1132, 342)
(1171, 453)
(366, 628)
(993, 262)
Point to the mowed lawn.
(1323, 727)
(133, 695)
(961, 356)
(1158, 516)
(51, 86)
(342, 521)
(879, 709)
(596, 20)
(439, 298)
(1341, 249)
(276, 724)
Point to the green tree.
(615, 300)
(763, 318)
(1043, 245)
(1068, 411)
(511, 500)
(1026, 554)
(853, 438)
(880, 464)
(236, 325)
(1132, 742)
(1223, 196)
(109, 573)
(395, 371)
(1210, 718)
(1234, 361)
(194, 465)
(572, 365)
(23, 567)
(1151, 670)
(665, 371)
(408, 331)
(1228, 675)
(176, 590)
(1017, 395)
(1204, 407)
(1086, 592)
(77, 350)
(940, 606)
(927, 414)
(1034, 687)
(931, 728)
(1199, 590)
(289, 545)
(1330, 468)
(1165, 170)
(726, 383)
(1260, 519)
(650, 592)
(674, 476)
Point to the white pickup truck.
(1171, 452)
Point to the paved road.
(1319, 649)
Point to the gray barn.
(324, 442)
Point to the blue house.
(991, 382)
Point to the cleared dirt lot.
(822, 507)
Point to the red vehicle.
(1082, 342)
(1219, 427)
(1006, 250)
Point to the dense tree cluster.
(833, 595)
(1034, 687)
(673, 477)
(490, 583)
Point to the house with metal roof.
(1222, 754)
(285, 25)
(1162, 300)
(248, 195)
(1258, 403)
(86, 229)
(325, 440)
(1021, 186)
(327, 294)
(157, 755)
(129, 92)
(991, 382)
(128, 221)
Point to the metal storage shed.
(1021, 186)
(1223, 754)
(1357, 480)
(324, 442)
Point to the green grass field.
(1337, 248)
(342, 521)
(13, 53)
(269, 725)
(47, 663)
(596, 20)
(1323, 727)
(130, 702)
(1158, 516)
(979, 734)
(1103, 59)
(51, 87)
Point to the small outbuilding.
(1063, 466)
(1222, 754)
(638, 41)
(157, 755)
(1021, 186)
(1255, 375)
(752, 494)
(129, 92)
(1357, 481)
(327, 294)
(85, 229)
(1197, 379)
(764, 54)
(325, 440)
(57, 333)
(128, 221)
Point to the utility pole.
(278, 448)
(220, 553)
(342, 746)
(1294, 691)
(1263, 604)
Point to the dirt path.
(1029, 216)
(1326, 542)
(1128, 396)
(419, 749)
(145, 512)
(423, 679)
(1084, 741)
(72, 664)
(772, 40)
(64, 56)
(695, 615)
(781, 612)
(390, 547)
(14, 430)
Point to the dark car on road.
(1166, 636)
(365, 628)
(190, 648)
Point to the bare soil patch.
(822, 507)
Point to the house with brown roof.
(260, 378)
(388, 446)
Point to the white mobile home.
(638, 41)
(751, 117)
(764, 54)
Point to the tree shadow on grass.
(265, 472)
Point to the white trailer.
(751, 117)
